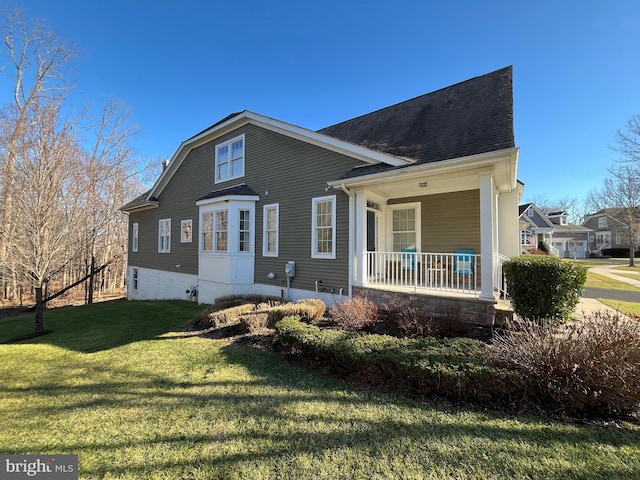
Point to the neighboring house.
(406, 199)
(609, 230)
(569, 240)
(564, 239)
(535, 227)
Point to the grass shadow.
(104, 325)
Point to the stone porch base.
(480, 312)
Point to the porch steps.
(503, 313)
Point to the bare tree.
(571, 205)
(621, 191)
(37, 60)
(63, 177)
(627, 142)
(49, 200)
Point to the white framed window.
(405, 227)
(602, 222)
(230, 159)
(221, 226)
(244, 232)
(618, 238)
(206, 232)
(134, 237)
(323, 235)
(164, 235)
(134, 280)
(186, 231)
(214, 228)
(227, 226)
(271, 221)
(530, 212)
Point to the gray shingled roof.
(136, 202)
(235, 190)
(471, 117)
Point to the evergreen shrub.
(544, 287)
(455, 367)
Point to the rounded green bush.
(544, 287)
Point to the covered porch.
(458, 273)
(440, 230)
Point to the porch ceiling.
(426, 185)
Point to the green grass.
(628, 308)
(123, 387)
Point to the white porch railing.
(500, 281)
(447, 272)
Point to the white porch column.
(360, 239)
(509, 232)
(487, 244)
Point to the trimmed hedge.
(543, 286)
(457, 367)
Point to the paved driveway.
(621, 295)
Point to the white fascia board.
(148, 205)
(293, 131)
(481, 162)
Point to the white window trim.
(265, 232)
(167, 248)
(249, 230)
(182, 224)
(233, 208)
(314, 202)
(404, 206)
(134, 237)
(229, 143)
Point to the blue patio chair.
(408, 258)
(463, 262)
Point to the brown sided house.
(419, 198)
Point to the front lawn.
(124, 387)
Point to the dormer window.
(230, 159)
(563, 220)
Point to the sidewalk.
(589, 306)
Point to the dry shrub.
(213, 318)
(355, 313)
(312, 309)
(266, 315)
(412, 323)
(229, 301)
(228, 309)
(255, 321)
(591, 366)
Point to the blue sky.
(183, 65)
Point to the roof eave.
(293, 131)
(148, 205)
(507, 181)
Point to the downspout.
(352, 226)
